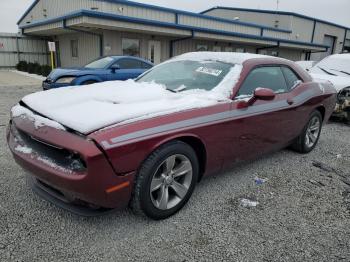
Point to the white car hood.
(92, 107)
(339, 82)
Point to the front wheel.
(165, 181)
(310, 135)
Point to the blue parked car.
(104, 69)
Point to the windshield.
(100, 63)
(178, 76)
(336, 66)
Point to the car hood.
(86, 109)
(60, 72)
(339, 82)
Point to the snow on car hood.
(339, 82)
(92, 107)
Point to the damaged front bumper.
(67, 169)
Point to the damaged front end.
(342, 108)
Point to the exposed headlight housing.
(343, 95)
(65, 80)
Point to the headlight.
(65, 80)
(344, 95)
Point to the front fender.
(80, 80)
(129, 157)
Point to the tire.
(152, 202)
(303, 143)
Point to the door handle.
(290, 101)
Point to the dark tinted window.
(145, 65)
(266, 77)
(127, 63)
(291, 78)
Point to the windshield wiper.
(327, 72)
(177, 90)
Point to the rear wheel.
(310, 135)
(165, 181)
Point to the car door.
(129, 68)
(264, 126)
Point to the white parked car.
(336, 69)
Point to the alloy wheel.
(313, 132)
(171, 182)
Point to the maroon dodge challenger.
(147, 142)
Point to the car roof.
(226, 57)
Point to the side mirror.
(115, 67)
(264, 94)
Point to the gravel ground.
(303, 213)
(8, 78)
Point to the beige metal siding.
(88, 49)
(138, 12)
(122, 26)
(191, 46)
(56, 8)
(217, 25)
(275, 34)
(215, 37)
(47, 27)
(302, 29)
(253, 17)
(324, 29)
(13, 50)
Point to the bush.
(45, 70)
(34, 68)
(31, 68)
(22, 66)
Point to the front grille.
(51, 154)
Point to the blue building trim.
(177, 13)
(109, 16)
(274, 12)
(28, 10)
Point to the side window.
(266, 77)
(291, 78)
(145, 65)
(74, 48)
(127, 63)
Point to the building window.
(131, 47)
(74, 48)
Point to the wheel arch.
(81, 79)
(197, 144)
(322, 110)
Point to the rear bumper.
(97, 186)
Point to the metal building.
(86, 29)
(15, 48)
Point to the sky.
(336, 11)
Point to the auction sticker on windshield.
(209, 71)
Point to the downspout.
(346, 32)
(86, 32)
(172, 42)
